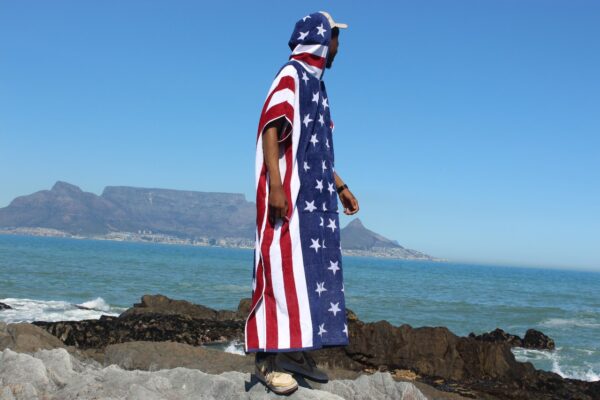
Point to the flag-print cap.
(332, 23)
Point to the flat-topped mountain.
(123, 212)
(181, 213)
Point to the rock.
(150, 356)
(482, 366)
(533, 339)
(498, 335)
(451, 363)
(98, 333)
(405, 374)
(25, 337)
(537, 340)
(51, 374)
(5, 307)
(19, 369)
(377, 386)
(429, 351)
(244, 308)
(162, 305)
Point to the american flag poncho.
(297, 282)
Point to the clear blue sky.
(469, 130)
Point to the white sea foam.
(28, 310)
(522, 354)
(235, 348)
(97, 304)
(570, 322)
(585, 372)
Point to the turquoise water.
(43, 277)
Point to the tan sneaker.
(279, 381)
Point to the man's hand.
(278, 205)
(349, 202)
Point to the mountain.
(358, 240)
(174, 216)
(356, 237)
(180, 213)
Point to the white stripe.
(259, 161)
(256, 260)
(288, 70)
(281, 96)
(313, 70)
(316, 49)
(275, 250)
(259, 302)
(306, 328)
(261, 325)
(283, 320)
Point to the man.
(297, 286)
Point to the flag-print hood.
(310, 43)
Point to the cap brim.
(339, 25)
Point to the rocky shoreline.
(160, 332)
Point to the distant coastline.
(152, 215)
(235, 243)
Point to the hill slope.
(358, 240)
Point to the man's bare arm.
(278, 205)
(346, 197)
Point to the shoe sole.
(295, 369)
(277, 390)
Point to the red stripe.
(287, 261)
(284, 109)
(269, 295)
(310, 59)
(251, 326)
(261, 195)
(261, 199)
(287, 82)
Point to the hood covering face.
(310, 43)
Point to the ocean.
(44, 278)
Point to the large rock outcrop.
(159, 304)
(151, 356)
(25, 337)
(434, 354)
(54, 374)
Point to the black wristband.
(341, 188)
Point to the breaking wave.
(28, 310)
(570, 322)
(584, 372)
